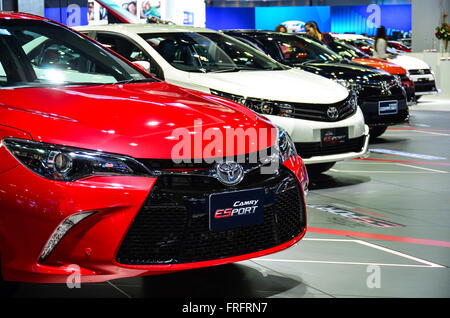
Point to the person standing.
(312, 29)
(281, 28)
(380, 44)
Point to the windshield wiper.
(225, 70)
(136, 80)
(237, 69)
(275, 68)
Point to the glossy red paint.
(130, 119)
(19, 15)
(400, 47)
(124, 119)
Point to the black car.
(380, 95)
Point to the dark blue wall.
(219, 18)
(57, 10)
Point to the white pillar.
(445, 78)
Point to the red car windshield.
(40, 53)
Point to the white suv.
(321, 116)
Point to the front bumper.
(424, 84)
(33, 207)
(373, 117)
(306, 134)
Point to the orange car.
(350, 52)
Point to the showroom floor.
(377, 227)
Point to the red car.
(92, 179)
(399, 47)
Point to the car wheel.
(377, 131)
(318, 168)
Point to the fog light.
(62, 230)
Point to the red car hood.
(134, 119)
(391, 68)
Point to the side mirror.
(143, 65)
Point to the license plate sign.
(388, 107)
(333, 136)
(236, 209)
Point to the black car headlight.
(270, 107)
(353, 100)
(286, 146)
(261, 106)
(61, 163)
(349, 84)
(398, 80)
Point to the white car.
(321, 116)
(420, 72)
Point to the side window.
(2, 74)
(54, 60)
(129, 50)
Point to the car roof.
(143, 28)
(19, 15)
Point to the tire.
(377, 131)
(318, 168)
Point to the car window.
(129, 50)
(208, 52)
(346, 50)
(41, 53)
(2, 73)
(51, 59)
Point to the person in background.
(380, 44)
(281, 28)
(312, 29)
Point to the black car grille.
(425, 86)
(319, 112)
(375, 92)
(308, 111)
(420, 72)
(172, 226)
(311, 149)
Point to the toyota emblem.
(229, 172)
(385, 88)
(332, 113)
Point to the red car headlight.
(61, 163)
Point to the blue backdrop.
(267, 18)
(218, 18)
(354, 19)
(330, 19)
